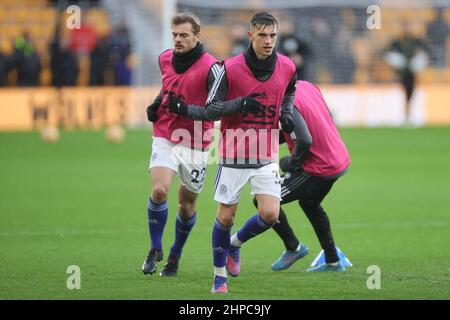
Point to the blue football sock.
(157, 218)
(220, 243)
(182, 230)
(254, 226)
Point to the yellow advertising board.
(97, 107)
(27, 109)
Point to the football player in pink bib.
(318, 158)
(253, 92)
(180, 145)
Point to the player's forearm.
(300, 153)
(216, 109)
(198, 113)
(302, 138)
(213, 110)
(216, 105)
(287, 103)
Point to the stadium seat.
(49, 15)
(361, 50)
(3, 14)
(447, 15)
(19, 15)
(418, 28)
(240, 16)
(6, 45)
(446, 77)
(426, 76)
(215, 41)
(388, 14)
(361, 76)
(155, 6)
(408, 14)
(98, 19)
(14, 30)
(83, 77)
(382, 72)
(323, 75)
(427, 14)
(380, 39)
(46, 77)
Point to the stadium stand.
(40, 19)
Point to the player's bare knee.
(159, 193)
(270, 219)
(225, 220)
(186, 209)
(269, 216)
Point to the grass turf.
(83, 201)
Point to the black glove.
(177, 106)
(152, 112)
(286, 164)
(287, 122)
(248, 104)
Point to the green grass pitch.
(83, 202)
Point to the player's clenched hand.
(177, 106)
(286, 164)
(248, 104)
(287, 122)
(152, 112)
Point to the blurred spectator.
(407, 55)
(64, 64)
(344, 60)
(437, 34)
(120, 50)
(99, 62)
(291, 46)
(123, 72)
(4, 61)
(239, 39)
(26, 61)
(110, 59)
(322, 44)
(83, 40)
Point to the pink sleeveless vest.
(328, 155)
(249, 136)
(191, 87)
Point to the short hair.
(187, 17)
(263, 19)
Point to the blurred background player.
(318, 158)
(293, 47)
(173, 154)
(407, 55)
(258, 86)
